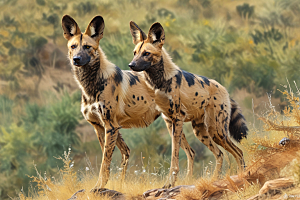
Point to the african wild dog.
(182, 97)
(111, 98)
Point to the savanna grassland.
(250, 47)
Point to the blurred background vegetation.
(251, 47)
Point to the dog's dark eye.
(134, 53)
(86, 46)
(73, 46)
(146, 54)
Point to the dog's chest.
(92, 112)
(165, 103)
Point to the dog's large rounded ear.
(95, 28)
(156, 34)
(137, 34)
(70, 27)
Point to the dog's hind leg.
(228, 145)
(125, 151)
(220, 134)
(203, 135)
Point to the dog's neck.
(155, 75)
(88, 77)
(160, 74)
(93, 76)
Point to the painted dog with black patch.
(182, 96)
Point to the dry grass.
(244, 193)
(262, 151)
(64, 188)
(203, 189)
(292, 170)
(69, 182)
(260, 144)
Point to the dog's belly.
(194, 113)
(139, 115)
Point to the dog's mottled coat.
(111, 98)
(182, 96)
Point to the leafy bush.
(6, 109)
(40, 134)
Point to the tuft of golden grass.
(64, 188)
(203, 188)
(246, 192)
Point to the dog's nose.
(132, 64)
(76, 59)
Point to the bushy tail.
(237, 126)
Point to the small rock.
(164, 194)
(100, 192)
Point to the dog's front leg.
(124, 149)
(111, 134)
(176, 139)
(190, 153)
